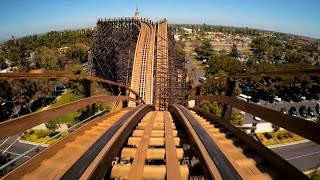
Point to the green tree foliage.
(236, 119)
(39, 52)
(234, 51)
(180, 50)
(225, 63)
(211, 107)
(78, 51)
(49, 59)
(216, 109)
(205, 49)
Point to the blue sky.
(27, 17)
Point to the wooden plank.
(103, 161)
(172, 162)
(137, 166)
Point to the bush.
(280, 136)
(267, 135)
(42, 133)
(314, 175)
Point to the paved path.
(16, 149)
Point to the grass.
(279, 137)
(315, 175)
(64, 99)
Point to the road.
(198, 72)
(16, 149)
(304, 156)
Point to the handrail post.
(137, 98)
(231, 86)
(88, 91)
(198, 93)
(124, 93)
(186, 96)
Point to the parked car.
(296, 98)
(202, 79)
(303, 98)
(285, 97)
(303, 111)
(278, 99)
(284, 110)
(311, 111)
(254, 99)
(315, 96)
(256, 118)
(293, 111)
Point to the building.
(137, 13)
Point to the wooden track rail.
(142, 71)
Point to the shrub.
(267, 135)
(280, 135)
(42, 133)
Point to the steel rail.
(300, 72)
(20, 124)
(296, 125)
(39, 74)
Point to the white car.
(276, 98)
(242, 112)
(256, 118)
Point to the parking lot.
(248, 118)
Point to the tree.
(225, 63)
(234, 51)
(236, 119)
(205, 49)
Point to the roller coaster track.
(139, 142)
(142, 72)
(162, 66)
